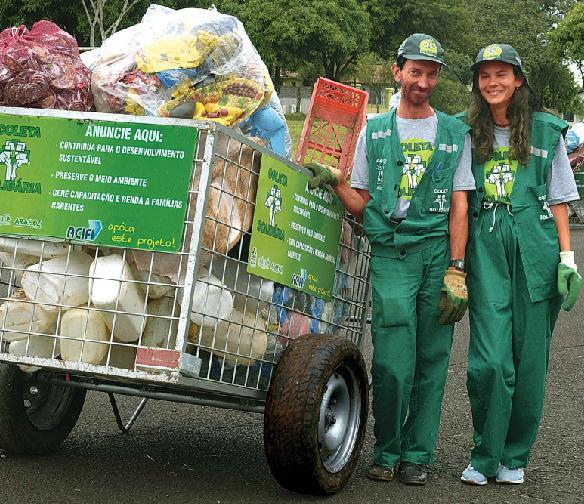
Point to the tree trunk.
(278, 78)
(299, 98)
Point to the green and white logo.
(274, 203)
(428, 47)
(499, 176)
(491, 52)
(417, 153)
(13, 155)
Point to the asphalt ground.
(179, 453)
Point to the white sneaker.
(471, 476)
(508, 476)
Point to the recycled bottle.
(36, 346)
(160, 328)
(60, 282)
(80, 331)
(20, 317)
(113, 289)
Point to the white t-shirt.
(417, 138)
(561, 187)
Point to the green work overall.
(512, 260)
(410, 348)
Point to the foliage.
(553, 84)
(568, 38)
(375, 73)
(450, 95)
(291, 34)
(340, 39)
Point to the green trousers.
(509, 346)
(410, 354)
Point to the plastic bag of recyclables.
(41, 68)
(190, 63)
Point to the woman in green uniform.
(520, 266)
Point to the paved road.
(186, 454)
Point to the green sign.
(122, 184)
(296, 231)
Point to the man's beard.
(414, 96)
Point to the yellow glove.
(453, 297)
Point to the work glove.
(453, 297)
(323, 174)
(569, 280)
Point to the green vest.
(534, 222)
(427, 217)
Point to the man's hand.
(569, 280)
(323, 174)
(453, 297)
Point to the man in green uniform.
(409, 186)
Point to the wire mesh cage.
(181, 319)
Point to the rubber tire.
(292, 413)
(52, 423)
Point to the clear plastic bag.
(190, 63)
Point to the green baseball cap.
(420, 46)
(498, 52)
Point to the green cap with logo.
(498, 52)
(420, 46)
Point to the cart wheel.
(35, 417)
(316, 412)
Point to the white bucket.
(17, 264)
(112, 287)
(51, 282)
(161, 332)
(210, 299)
(87, 327)
(36, 248)
(237, 341)
(24, 317)
(36, 346)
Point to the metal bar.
(197, 231)
(225, 402)
(136, 414)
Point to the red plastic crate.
(335, 117)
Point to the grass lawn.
(295, 125)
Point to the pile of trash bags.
(192, 64)
(41, 68)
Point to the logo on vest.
(413, 170)
(441, 200)
(380, 167)
(546, 209)
(499, 176)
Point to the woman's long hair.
(521, 107)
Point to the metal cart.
(298, 365)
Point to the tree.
(100, 20)
(339, 33)
(375, 73)
(27, 13)
(568, 38)
(289, 34)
